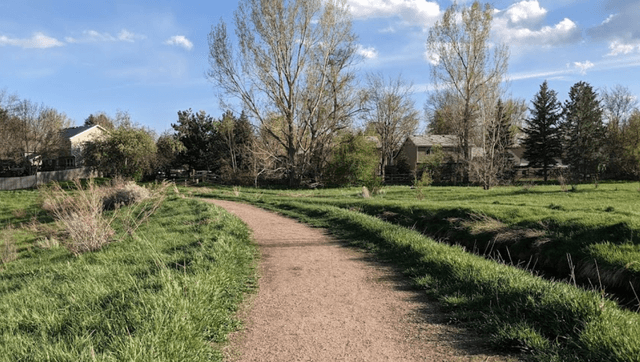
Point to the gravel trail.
(321, 301)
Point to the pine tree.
(583, 132)
(543, 141)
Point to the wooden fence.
(41, 178)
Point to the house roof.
(69, 133)
(430, 140)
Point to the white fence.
(41, 178)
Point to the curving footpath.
(321, 301)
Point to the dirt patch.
(321, 301)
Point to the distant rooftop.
(71, 132)
(430, 140)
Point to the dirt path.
(321, 301)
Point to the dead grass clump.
(8, 250)
(48, 243)
(80, 212)
(124, 194)
(80, 215)
(480, 223)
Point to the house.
(73, 141)
(522, 167)
(416, 147)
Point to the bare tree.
(618, 106)
(35, 130)
(9, 126)
(441, 113)
(389, 109)
(469, 68)
(290, 54)
(493, 165)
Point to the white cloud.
(525, 12)
(92, 36)
(180, 40)
(367, 53)
(564, 32)
(37, 41)
(415, 12)
(617, 47)
(520, 25)
(609, 19)
(583, 66)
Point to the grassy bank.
(591, 235)
(549, 321)
(166, 293)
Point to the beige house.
(73, 141)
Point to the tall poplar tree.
(543, 141)
(584, 132)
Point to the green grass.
(167, 293)
(536, 226)
(549, 321)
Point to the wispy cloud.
(414, 12)
(92, 36)
(37, 41)
(618, 47)
(537, 74)
(180, 40)
(583, 66)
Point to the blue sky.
(150, 57)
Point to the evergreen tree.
(543, 140)
(198, 134)
(583, 132)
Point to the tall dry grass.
(81, 212)
(8, 251)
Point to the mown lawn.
(547, 320)
(166, 293)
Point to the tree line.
(594, 134)
(288, 80)
(28, 129)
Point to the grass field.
(592, 233)
(550, 321)
(166, 293)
